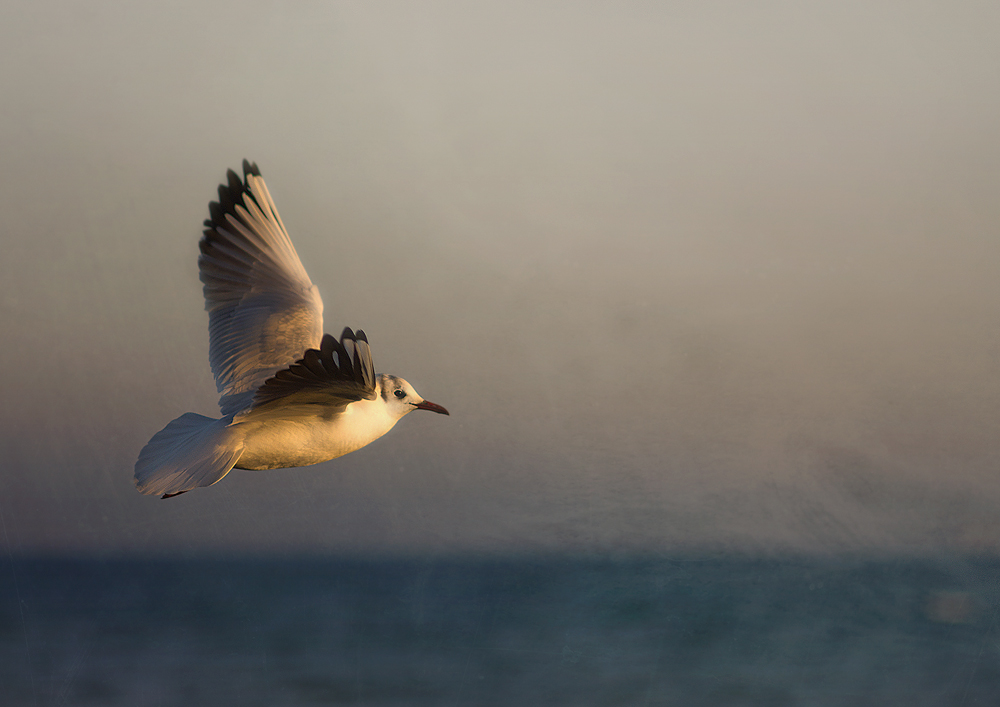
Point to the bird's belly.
(279, 444)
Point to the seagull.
(290, 394)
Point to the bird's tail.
(191, 451)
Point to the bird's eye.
(400, 394)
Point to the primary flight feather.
(290, 394)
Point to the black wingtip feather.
(344, 361)
(231, 194)
(313, 362)
(217, 214)
(235, 183)
(319, 367)
(327, 346)
(226, 200)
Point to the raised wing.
(335, 375)
(263, 311)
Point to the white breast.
(303, 435)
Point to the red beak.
(433, 407)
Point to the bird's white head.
(400, 397)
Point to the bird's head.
(400, 397)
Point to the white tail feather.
(191, 451)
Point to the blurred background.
(699, 283)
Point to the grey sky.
(688, 275)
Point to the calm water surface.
(549, 631)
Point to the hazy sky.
(689, 276)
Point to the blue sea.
(521, 631)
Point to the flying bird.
(290, 394)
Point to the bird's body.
(291, 395)
(303, 436)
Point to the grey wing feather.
(336, 374)
(264, 311)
